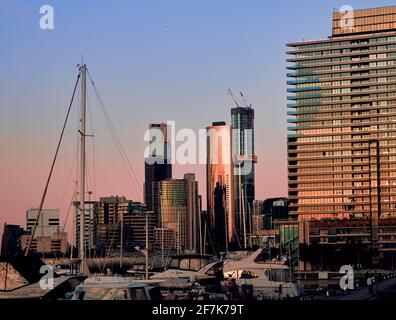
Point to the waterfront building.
(342, 139)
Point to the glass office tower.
(157, 166)
(220, 182)
(342, 121)
(242, 122)
(179, 212)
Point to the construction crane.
(244, 103)
(233, 98)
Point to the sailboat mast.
(82, 163)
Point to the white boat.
(198, 266)
(116, 290)
(270, 279)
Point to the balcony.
(293, 135)
(305, 96)
(300, 73)
(293, 82)
(294, 113)
(303, 89)
(294, 105)
(300, 120)
(295, 128)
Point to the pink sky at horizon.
(25, 168)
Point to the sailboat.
(28, 277)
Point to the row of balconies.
(353, 94)
(319, 72)
(340, 55)
(336, 102)
(353, 64)
(330, 45)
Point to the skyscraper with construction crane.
(242, 122)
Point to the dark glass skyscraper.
(242, 122)
(157, 165)
(10, 242)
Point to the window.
(139, 294)
(279, 275)
(185, 264)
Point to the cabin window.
(185, 264)
(121, 294)
(155, 294)
(94, 293)
(174, 264)
(195, 264)
(279, 275)
(140, 294)
(248, 275)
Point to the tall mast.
(83, 69)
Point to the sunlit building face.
(342, 120)
(220, 173)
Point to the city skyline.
(198, 151)
(192, 78)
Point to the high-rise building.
(48, 222)
(157, 165)
(49, 237)
(242, 122)
(274, 209)
(179, 212)
(10, 241)
(220, 181)
(258, 215)
(268, 211)
(107, 229)
(119, 222)
(342, 144)
(88, 224)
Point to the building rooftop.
(364, 20)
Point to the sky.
(152, 61)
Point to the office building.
(88, 224)
(49, 238)
(220, 183)
(157, 165)
(179, 212)
(268, 211)
(242, 122)
(121, 223)
(10, 241)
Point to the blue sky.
(152, 61)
